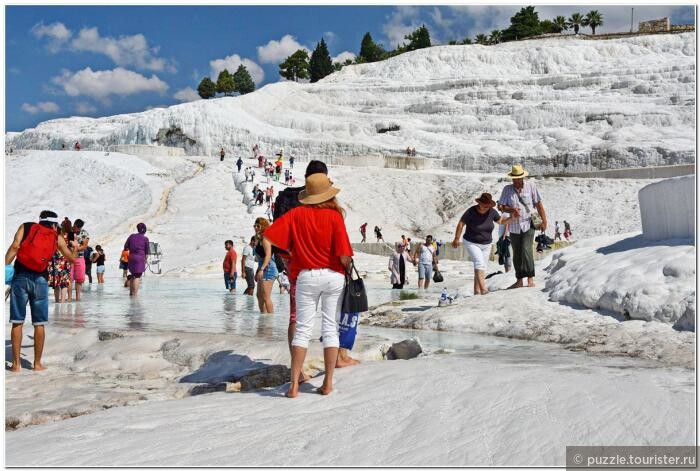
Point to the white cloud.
(486, 18)
(232, 62)
(124, 51)
(85, 108)
(57, 33)
(100, 84)
(404, 20)
(275, 52)
(343, 56)
(41, 107)
(330, 36)
(186, 94)
(440, 20)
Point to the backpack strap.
(27, 228)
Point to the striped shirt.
(509, 197)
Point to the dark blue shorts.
(33, 289)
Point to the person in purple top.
(479, 220)
(137, 245)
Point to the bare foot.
(303, 377)
(325, 390)
(484, 292)
(342, 362)
(530, 282)
(15, 368)
(39, 367)
(517, 284)
(293, 390)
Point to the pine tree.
(296, 66)
(225, 83)
(206, 88)
(369, 50)
(320, 64)
(418, 39)
(523, 24)
(244, 82)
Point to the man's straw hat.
(517, 171)
(319, 188)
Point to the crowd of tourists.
(47, 255)
(303, 245)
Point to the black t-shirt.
(479, 226)
(287, 199)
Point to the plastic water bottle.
(443, 296)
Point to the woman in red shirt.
(316, 236)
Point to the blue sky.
(100, 61)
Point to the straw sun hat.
(319, 188)
(517, 171)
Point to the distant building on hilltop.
(653, 26)
(662, 25)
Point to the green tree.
(593, 19)
(225, 83)
(467, 41)
(369, 50)
(548, 26)
(296, 66)
(523, 24)
(575, 21)
(560, 23)
(320, 64)
(481, 39)
(244, 82)
(206, 88)
(496, 36)
(418, 39)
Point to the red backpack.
(37, 247)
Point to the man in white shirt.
(521, 199)
(424, 255)
(248, 267)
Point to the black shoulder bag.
(354, 294)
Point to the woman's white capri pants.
(316, 285)
(479, 253)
